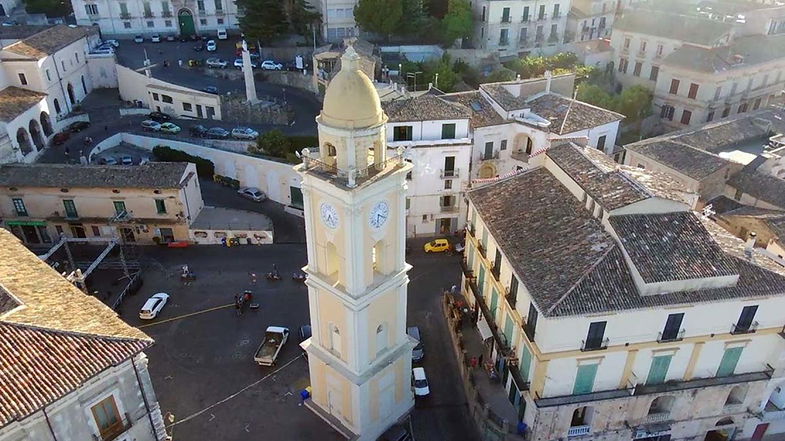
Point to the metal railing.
(744, 329)
(678, 336)
(449, 173)
(166, 14)
(120, 428)
(506, 19)
(486, 157)
(657, 417)
(504, 42)
(512, 298)
(594, 345)
(481, 249)
(125, 16)
(579, 430)
(351, 177)
(448, 208)
(148, 14)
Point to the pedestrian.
(106, 128)
(66, 151)
(454, 289)
(480, 358)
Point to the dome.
(351, 100)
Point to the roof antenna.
(567, 114)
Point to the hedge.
(204, 168)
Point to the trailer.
(275, 338)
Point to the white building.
(127, 18)
(614, 312)
(337, 19)
(590, 19)
(70, 368)
(42, 78)
(516, 28)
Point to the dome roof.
(351, 100)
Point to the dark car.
(78, 126)
(199, 47)
(171, 38)
(198, 131)
(216, 133)
(196, 37)
(60, 138)
(305, 332)
(210, 89)
(159, 117)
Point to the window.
(667, 111)
(524, 35)
(726, 111)
(556, 10)
(717, 92)
(743, 107)
(497, 264)
(541, 14)
(601, 142)
(160, 206)
(554, 30)
(126, 25)
(693, 93)
(529, 146)
(91, 9)
(661, 405)
(525, 13)
(123, 9)
(119, 207)
(19, 207)
(595, 338)
(448, 184)
(503, 145)
(22, 79)
(448, 131)
(200, 6)
(76, 56)
(737, 195)
(504, 37)
(659, 369)
(756, 104)
(168, 23)
(150, 24)
(107, 418)
(672, 328)
(637, 70)
(483, 14)
(48, 75)
(674, 87)
(70, 209)
(155, 97)
(167, 99)
(710, 116)
(626, 43)
(203, 21)
(220, 21)
(745, 323)
(525, 364)
(643, 46)
(655, 71)
(409, 202)
(187, 107)
(736, 395)
(733, 89)
(506, 15)
(531, 319)
(584, 379)
(685, 117)
(623, 65)
(729, 361)
(402, 133)
(488, 154)
(659, 50)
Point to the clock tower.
(354, 196)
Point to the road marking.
(179, 317)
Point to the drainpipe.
(49, 424)
(144, 399)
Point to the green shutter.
(659, 369)
(729, 361)
(485, 239)
(470, 252)
(584, 380)
(481, 279)
(508, 329)
(525, 363)
(494, 302)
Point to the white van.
(222, 35)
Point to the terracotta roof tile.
(581, 116)
(482, 113)
(425, 107)
(14, 101)
(151, 175)
(760, 185)
(49, 41)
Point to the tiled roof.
(663, 24)
(756, 49)
(18, 32)
(671, 246)
(693, 162)
(503, 97)
(555, 108)
(426, 107)
(49, 40)
(151, 175)
(56, 338)
(15, 101)
(777, 226)
(482, 113)
(7, 301)
(760, 185)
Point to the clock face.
(379, 214)
(329, 215)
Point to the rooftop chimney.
(548, 76)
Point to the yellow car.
(437, 246)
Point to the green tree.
(634, 103)
(416, 22)
(379, 16)
(263, 20)
(52, 8)
(272, 143)
(457, 23)
(500, 75)
(595, 95)
(301, 16)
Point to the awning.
(485, 330)
(26, 222)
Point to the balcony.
(523, 42)
(448, 208)
(115, 431)
(594, 345)
(542, 17)
(625, 50)
(482, 250)
(125, 16)
(148, 14)
(641, 54)
(449, 173)
(656, 417)
(679, 336)
(219, 12)
(579, 430)
(512, 299)
(506, 19)
(528, 330)
(166, 14)
(486, 157)
(520, 155)
(744, 329)
(467, 272)
(504, 42)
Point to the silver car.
(151, 125)
(252, 193)
(216, 63)
(244, 133)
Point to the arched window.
(381, 338)
(57, 106)
(582, 416)
(662, 404)
(330, 150)
(725, 422)
(736, 395)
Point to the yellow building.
(39, 202)
(355, 199)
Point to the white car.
(211, 46)
(151, 125)
(155, 38)
(271, 65)
(138, 39)
(216, 62)
(127, 160)
(113, 43)
(252, 193)
(222, 34)
(153, 306)
(244, 133)
(420, 382)
(238, 63)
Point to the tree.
(416, 22)
(379, 16)
(595, 95)
(500, 75)
(634, 103)
(263, 20)
(457, 23)
(52, 8)
(272, 143)
(301, 16)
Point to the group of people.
(242, 301)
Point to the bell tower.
(354, 196)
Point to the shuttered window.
(584, 380)
(659, 369)
(729, 361)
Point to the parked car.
(159, 116)
(420, 382)
(252, 193)
(198, 131)
(222, 34)
(113, 43)
(244, 133)
(127, 160)
(210, 89)
(138, 39)
(211, 46)
(271, 65)
(419, 351)
(396, 433)
(170, 128)
(217, 63)
(60, 138)
(437, 246)
(199, 47)
(155, 38)
(153, 306)
(171, 38)
(153, 126)
(216, 133)
(238, 63)
(78, 126)
(109, 160)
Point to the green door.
(186, 20)
(584, 380)
(525, 363)
(470, 252)
(494, 303)
(659, 369)
(729, 361)
(508, 330)
(481, 279)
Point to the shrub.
(204, 168)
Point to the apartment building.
(70, 367)
(590, 20)
(43, 76)
(151, 203)
(176, 17)
(337, 19)
(697, 85)
(515, 28)
(602, 329)
(436, 134)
